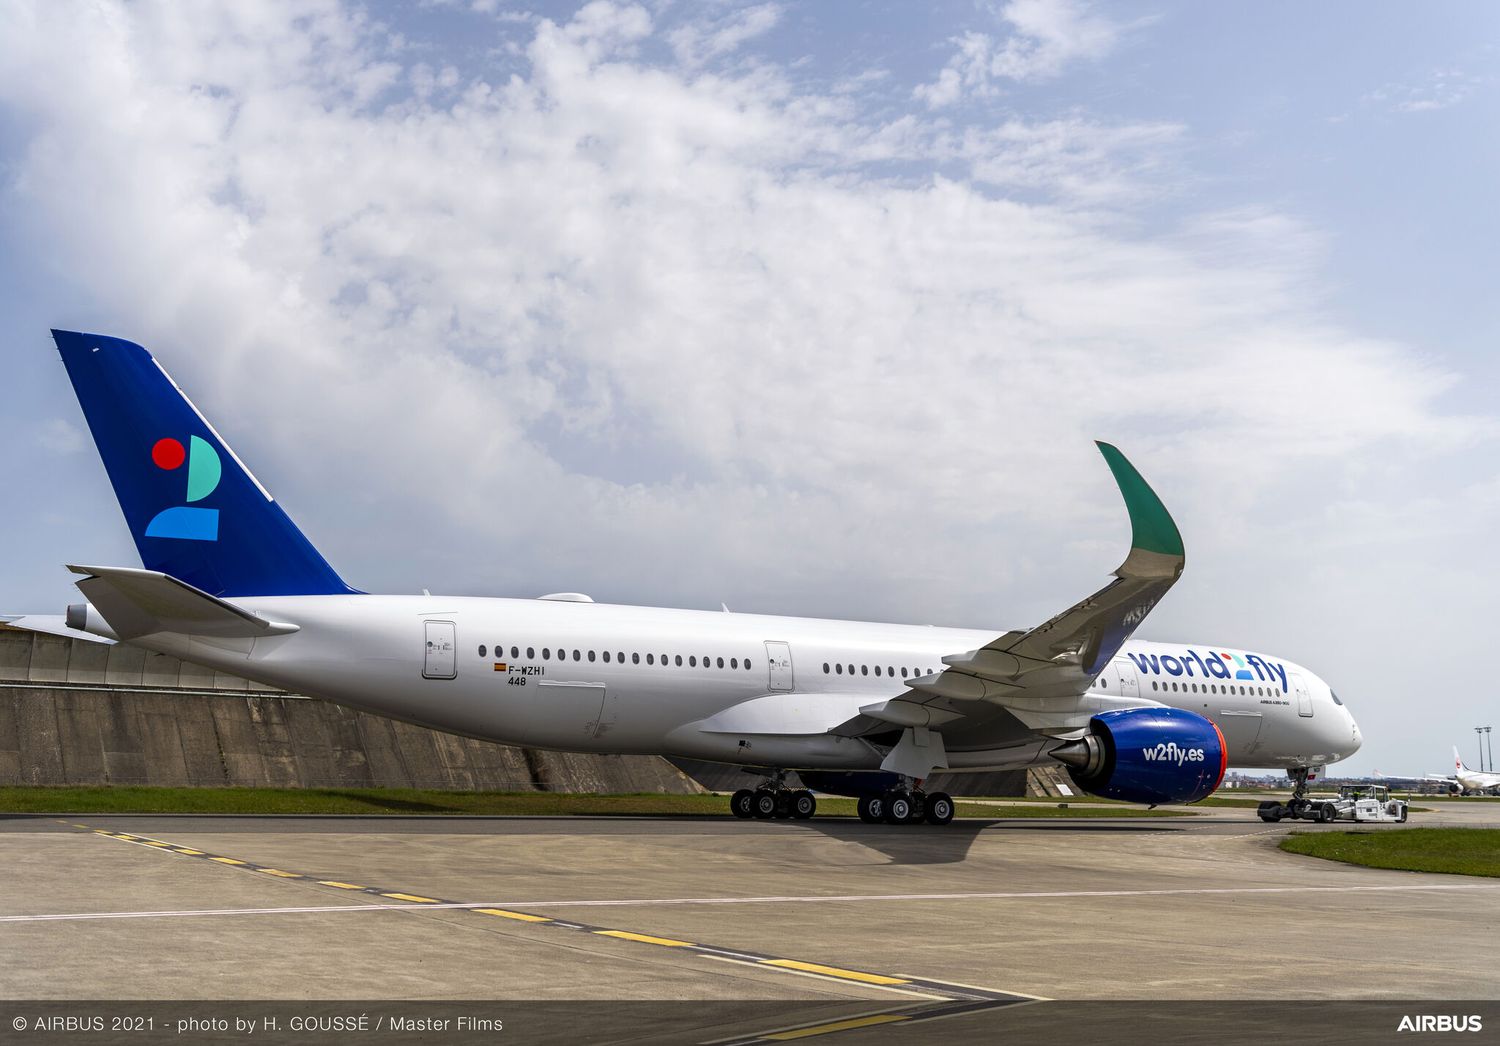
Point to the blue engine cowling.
(1148, 755)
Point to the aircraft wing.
(1040, 676)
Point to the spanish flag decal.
(500, 666)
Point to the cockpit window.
(1335, 697)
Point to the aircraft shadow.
(920, 844)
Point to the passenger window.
(546, 653)
(606, 657)
(649, 660)
(635, 659)
(678, 660)
(864, 670)
(591, 655)
(1153, 684)
(851, 670)
(903, 672)
(720, 662)
(840, 669)
(481, 649)
(515, 653)
(734, 662)
(620, 657)
(877, 670)
(531, 653)
(577, 655)
(747, 664)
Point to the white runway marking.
(649, 902)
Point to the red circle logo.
(168, 453)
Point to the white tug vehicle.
(1362, 803)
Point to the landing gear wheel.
(1296, 807)
(803, 805)
(741, 804)
(939, 808)
(783, 805)
(871, 809)
(764, 805)
(899, 807)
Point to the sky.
(809, 309)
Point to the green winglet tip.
(1152, 529)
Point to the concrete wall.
(80, 713)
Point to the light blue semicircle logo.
(204, 469)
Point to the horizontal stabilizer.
(52, 625)
(140, 602)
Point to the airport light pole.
(1479, 736)
(1491, 747)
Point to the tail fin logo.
(188, 522)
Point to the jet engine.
(1147, 755)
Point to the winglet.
(1152, 529)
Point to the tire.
(1402, 818)
(783, 806)
(765, 804)
(872, 809)
(939, 808)
(899, 807)
(741, 803)
(803, 805)
(1326, 813)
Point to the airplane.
(860, 709)
(1471, 782)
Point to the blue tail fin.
(194, 510)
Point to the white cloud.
(671, 336)
(59, 436)
(1043, 38)
(707, 38)
(1440, 89)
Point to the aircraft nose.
(1355, 738)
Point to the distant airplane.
(855, 708)
(1473, 781)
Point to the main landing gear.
(773, 800)
(907, 806)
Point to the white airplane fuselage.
(590, 677)
(1475, 781)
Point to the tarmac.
(831, 910)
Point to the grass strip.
(1458, 851)
(129, 799)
